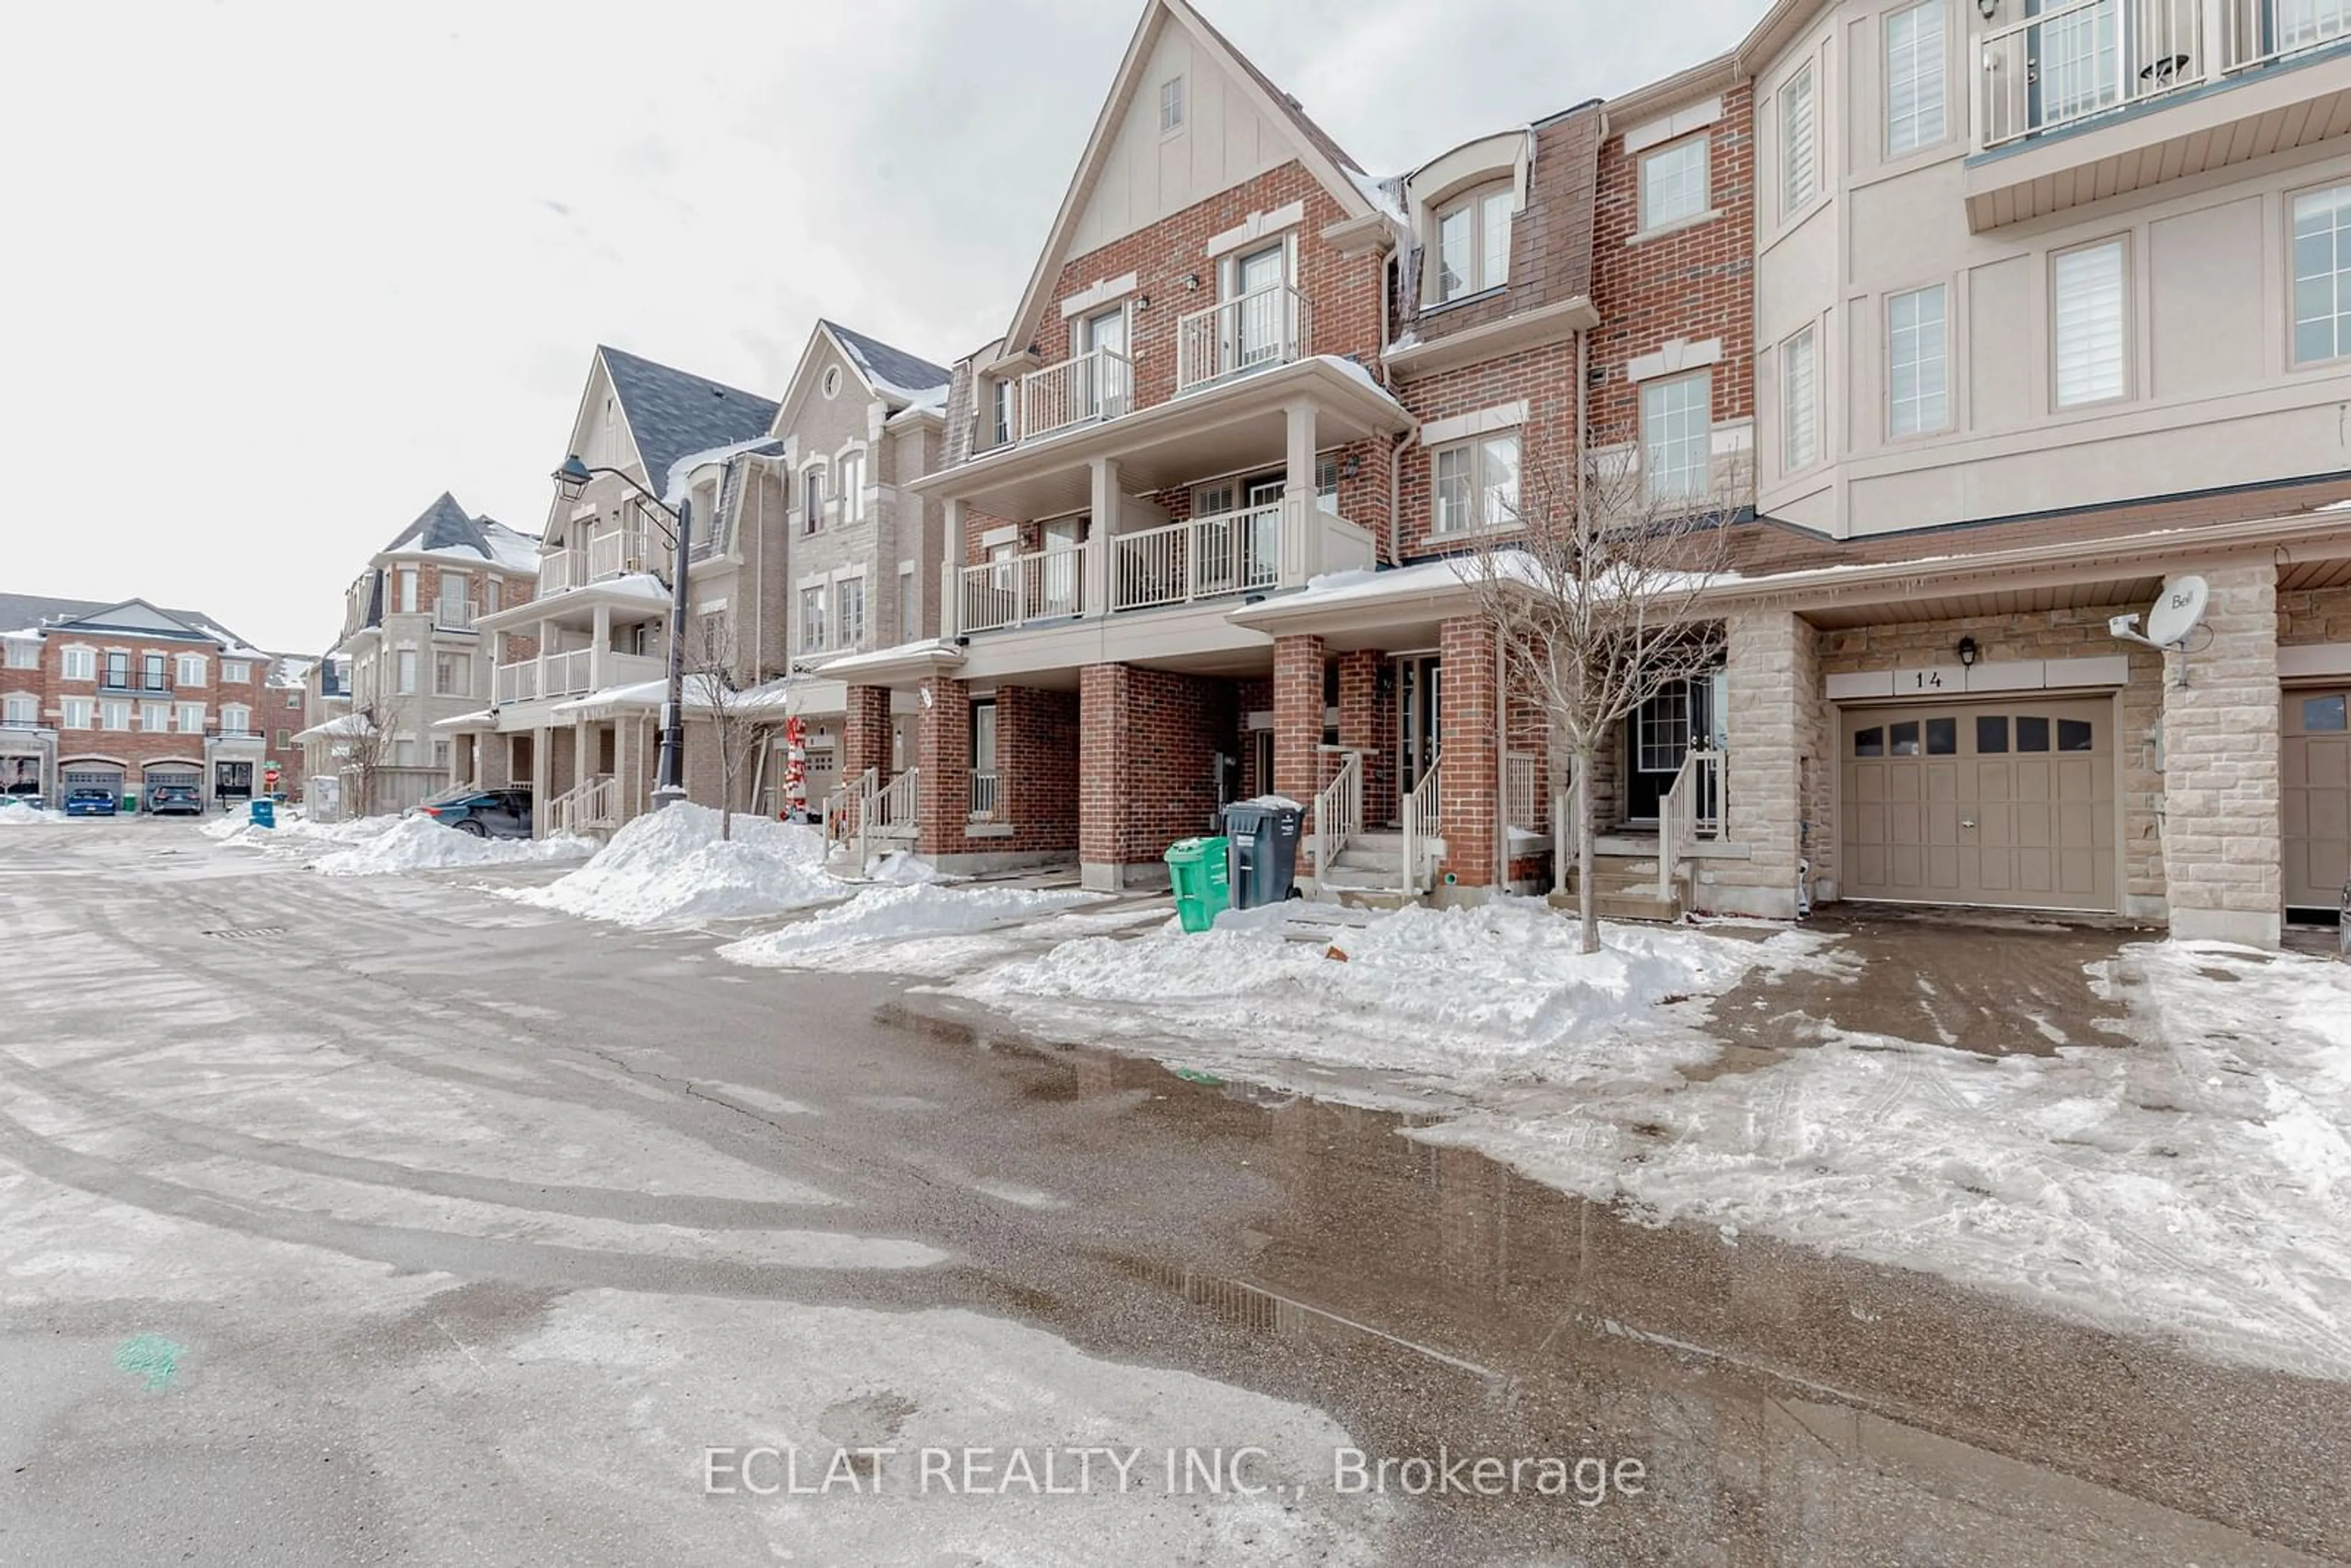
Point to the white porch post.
(599, 651)
(1094, 594)
(540, 772)
(1297, 496)
(951, 574)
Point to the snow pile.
(671, 865)
(866, 932)
(899, 869)
(297, 835)
(2193, 1182)
(1454, 993)
(419, 843)
(16, 814)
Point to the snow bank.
(1458, 994)
(419, 843)
(671, 865)
(297, 835)
(2191, 1183)
(16, 814)
(861, 933)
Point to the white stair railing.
(1338, 812)
(1566, 831)
(1421, 823)
(895, 805)
(1692, 807)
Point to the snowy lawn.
(670, 866)
(915, 928)
(419, 843)
(16, 814)
(295, 834)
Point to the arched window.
(852, 486)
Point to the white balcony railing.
(1253, 332)
(2073, 62)
(983, 796)
(559, 569)
(1093, 386)
(567, 675)
(619, 553)
(516, 682)
(1206, 558)
(454, 615)
(1043, 585)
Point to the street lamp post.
(669, 783)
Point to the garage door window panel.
(1991, 733)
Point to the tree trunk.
(1587, 908)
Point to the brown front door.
(2008, 803)
(2317, 759)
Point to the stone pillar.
(1773, 674)
(1469, 786)
(865, 734)
(2222, 850)
(1363, 728)
(944, 805)
(1104, 725)
(1298, 717)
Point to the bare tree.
(363, 745)
(1596, 600)
(737, 720)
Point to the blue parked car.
(484, 813)
(90, 800)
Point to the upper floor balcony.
(2091, 98)
(455, 614)
(615, 553)
(558, 674)
(114, 681)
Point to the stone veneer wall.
(1774, 681)
(2222, 854)
(2050, 634)
(2313, 615)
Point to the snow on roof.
(479, 719)
(882, 657)
(1447, 573)
(635, 585)
(681, 473)
(773, 697)
(1378, 190)
(349, 723)
(230, 647)
(893, 372)
(1362, 375)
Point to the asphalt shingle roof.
(444, 526)
(20, 611)
(673, 414)
(892, 371)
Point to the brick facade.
(1298, 717)
(1148, 774)
(1470, 798)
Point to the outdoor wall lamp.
(1192, 283)
(1968, 651)
(1989, 8)
(1142, 302)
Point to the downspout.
(1395, 494)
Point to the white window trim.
(1472, 196)
(2294, 359)
(73, 654)
(838, 502)
(1704, 213)
(1475, 445)
(1810, 335)
(1792, 205)
(1176, 127)
(1886, 149)
(2128, 379)
(1886, 363)
(1706, 467)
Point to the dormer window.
(1004, 421)
(1473, 241)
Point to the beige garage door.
(2317, 758)
(2008, 803)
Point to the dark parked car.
(164, 799)
(485, 813)
(90, 800)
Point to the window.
(74, 712)
(1478, 484)
(404, 666)
(152, 671)
(812, 619)
(1914, 78)
(983, 757)
(114, 715)
(154, 717)
(1991, 733)
(1678, 435)
(1799, 413)
(235, 672)
(406, 602)
(853, 487)
(294, 700)
(453, 674)
(192, 718)
(192, 669)
(1799, 144)
(1007, 400)
(2088, 311)
(910, 607)
(1942, 738)
(490, 588)
(1473, 243)
(2322, 275)
(236, 720)
(1326, 483)
(22, 710)
(118, 671)
(2076, 734)
(1902, 739)
(812, 498)
(285, 738)
(1673, 184)
(440, 751)
(79, 664)
(1916, 362)
(849, 611)
(1171, 105)
(24, 653)
(2032, 733)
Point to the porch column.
(944, 805)
(542, 780)
(950, 573)
(1298, 562)
(1470, 783)
(1774, 738)
(1361, 728)
(1298, 717)
(865, 732)
(600, 652)
(2222, 824)
(1094, 592)
(1104, 717)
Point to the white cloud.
(281, 273)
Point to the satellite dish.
(2177, 610)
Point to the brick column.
(946, 791)
(1470, 788)
(2222, 855)
(1105, 724)
(1774, 679)
(865, 732)
(1362, 726)
(1297, 718)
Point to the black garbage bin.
(1262, 850)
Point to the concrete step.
(1626, 906)
(1369, 857)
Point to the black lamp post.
(572, 482)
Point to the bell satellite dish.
(2179, 611)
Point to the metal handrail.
(1095, 385)
(1203, 557)
(1252, 331)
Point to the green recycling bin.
(1197, 870)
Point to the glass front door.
(1261, 307)
(1661, 734)
(1420, 680)
(1105, 338)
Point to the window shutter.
(2089, 315)
(1798, 149)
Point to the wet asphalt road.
(225, 1129)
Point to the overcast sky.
(280, 274)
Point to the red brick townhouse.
(126, 697)
(1243, 364)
